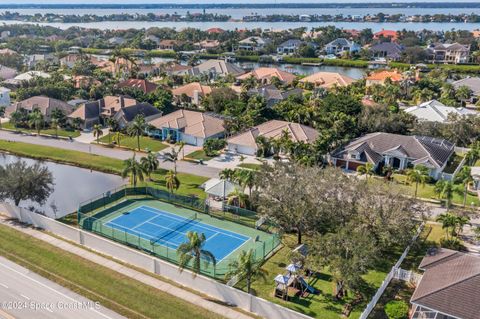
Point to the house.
(328, 80)
(174, 68)
(84, 81)
(152, 38)
(217, 188)
(8, 52)
(448, 53)
(475, 173)
(264, 75)
(387, 50)
(215, 31)
(168, 44)
(127, 114)
(46, 105)
(192, 93)
(27, 76)
(340, 45)
(7, 73)
(69, 60)
(397, 151)
(253, 44)
(91, 113)
(4, 96)
(435, 111)
(138, 84)
(473, 83)
(188, 126)
(213, 69)
(116, 41)
(272, 95)
(207, 44)
(386, 34)
(32, 60)
(289, 46)
(379, 78)
(449, 287)
(246, 142)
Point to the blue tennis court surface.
(170, 230)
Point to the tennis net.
(174, 227)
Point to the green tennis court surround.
(156, 222)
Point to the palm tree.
(246, 267)
(264, 146)
(36, 120)
(368, 170)
(55, 125)
(246, 178)
(249, 83)
(117, 138)
(150, 164)
(137, 128)
(445, 189)
(171, 181)
(112, 125)
(465, 177)
(2, 113)
(172, 156)
(448, 221)
(193, 249)
(97, 132)
(134, 170)
(237, 198)
(418, 175)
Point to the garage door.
(241, 149)
(189, 139)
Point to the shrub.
(396, 309)
(211, 146)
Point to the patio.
(232, 160)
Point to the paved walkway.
(127, 271)
(182, 166)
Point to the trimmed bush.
(396, 309)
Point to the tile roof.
(421, 149)
(190, 88)
(268, 73)
(190, 122)
(394, 75)
(450, 284)
(44, 104)
(219, 67)
(328, 79)
(273, 129)
(128, 113)
(143, 85)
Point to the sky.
(215, 1)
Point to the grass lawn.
(188, 183)
(427, 191)
(130, 142)
(322, 305)
(61, 132)
(198, 155)
(250, 166)
(120, 293)
(477, 163)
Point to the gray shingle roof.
(416, 148)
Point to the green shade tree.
(245, 267)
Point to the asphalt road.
(182, 166)
(21, 291)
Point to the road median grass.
(130, 142)
(47, 131)
(120, 293)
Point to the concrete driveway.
(87, 137)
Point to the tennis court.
(167, 229)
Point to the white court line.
(200, 225)
(234, 251)
(50, 288)
(25, 297)
(4, 286)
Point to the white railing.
(368, 309)
(408, 276)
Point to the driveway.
(87, 137)
(182, 166)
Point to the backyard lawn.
(130, 142)
(322, 305)
(61, 132)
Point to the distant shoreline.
(284, 5)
